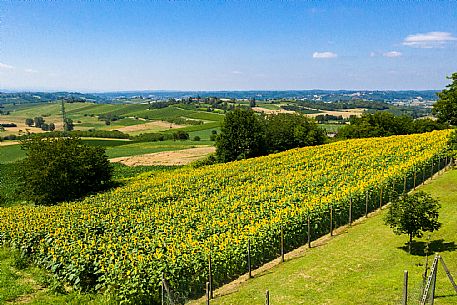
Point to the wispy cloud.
(30, 71)
(316, 10)
(5, 66)
(392, 54)
(373, 54)
(429, 40)
(321, 55)
(237, 72)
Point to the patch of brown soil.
(177, 157)
(155, 125)
(271, 111)
(344, 113)
(8, 143)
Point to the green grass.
(362, 265)
(85, 116)
(269, 106)
(204, 134)
(115, 148)
(8, 185)
(205, 116)
(331, 127)
(32, 285)
(206, 126)
(105, 142)
(11, 284)
(11, 153)
(124, 172)
(141, 148)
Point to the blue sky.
(226, 45)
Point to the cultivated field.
(123, 241)
(134, 118)
(167, 158)
(362, 264)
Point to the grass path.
(362, 265)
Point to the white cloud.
(392, 54)
(324, 55)
(30, 71)
(237, 72)
(5, 66)
(372, 54)
(428, 40)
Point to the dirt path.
(178, 157)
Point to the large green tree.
(413, 215)
(286, 131)
(445, 109)
(382, 124)
(59, 169)
(242, 136)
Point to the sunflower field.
(168, 224)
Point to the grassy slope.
(151, 147)
(118, 148)
(83, 111)
(363, 265)
(11, 153)
(34, 286)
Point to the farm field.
(168, 157)
(142, 148)
(123, 243)
(136, 118)
(115, 148)
(363, 264)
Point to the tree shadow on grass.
(418, 248)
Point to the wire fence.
(292, 237)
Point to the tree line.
(245, 134)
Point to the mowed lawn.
(362, 265)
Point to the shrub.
(62, 169)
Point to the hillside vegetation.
(123, 241)
(362, 265)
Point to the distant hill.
(321, 95)
(313, 95)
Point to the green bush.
(62, 169)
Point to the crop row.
(169, 223)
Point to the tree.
(286, 131)
(242, 136)
(45, 127)
(445, 109)
(68, 125)
(52, 126)
(38, 121)
(61, 169)
(382, 124)
(180, 135)
(252, 102)
(413, 215)
(29, 122)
